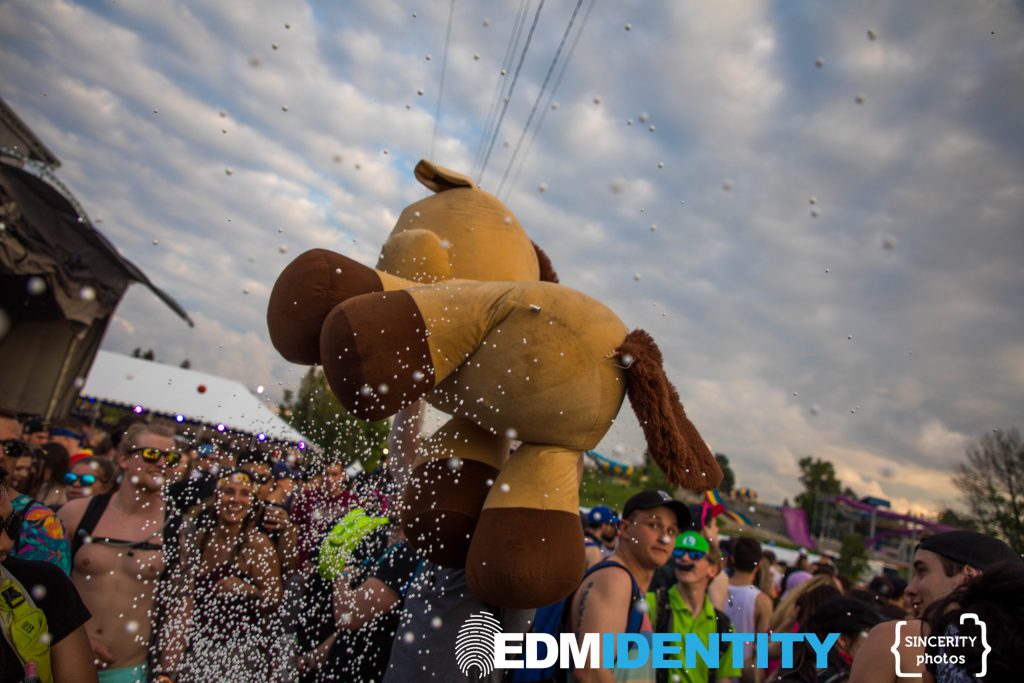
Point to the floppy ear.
(547, 271)
(439, 178)
(672, 440)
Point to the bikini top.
(91, 517)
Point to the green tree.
(819, 481)
(951, 517)
(853, 557)
(728, 476)
(315, 412)
(991, 484)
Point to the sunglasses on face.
(71, 479)
(16, 449)
(682, 553)
(12, 526)
(154, 455)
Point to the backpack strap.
(662, 624)
(635, 617)
(90, 518)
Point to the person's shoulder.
(259, 541)
(73, 510)
(886, 631)
(76, 507)
(610, 577)
(875, 659)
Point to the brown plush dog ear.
(438, 178)
(673, 441)
(547, 271)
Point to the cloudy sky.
(815, 208)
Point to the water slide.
(606, 464)
(796, 526)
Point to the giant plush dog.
(457, 313)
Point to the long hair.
(785, 613)
(997, 597)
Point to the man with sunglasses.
(686, 608)
(42, 535)
(117, 542)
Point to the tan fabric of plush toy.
(513, 358)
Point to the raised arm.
(354, 607)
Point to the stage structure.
(60, 279)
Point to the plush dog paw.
(375, 355)
(524, 558)
(305, 293)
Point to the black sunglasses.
(16, 449)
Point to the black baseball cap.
(971, 548)
(645, 500)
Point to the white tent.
(173, 391)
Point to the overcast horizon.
(814, 208)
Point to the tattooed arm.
(601, 605)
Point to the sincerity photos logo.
(945, 649)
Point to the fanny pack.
(24, 626)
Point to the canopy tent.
(172, 391)
(60, 279)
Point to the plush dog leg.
(458, 466)
(527, 549)
(306, 292)
(382, 351)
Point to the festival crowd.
(132, 553)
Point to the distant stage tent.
(60, 279)
(196, 396)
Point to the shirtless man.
(610, 600)
(118, 558)
(941, 564)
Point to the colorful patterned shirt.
(42, 534)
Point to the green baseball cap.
(691, 540)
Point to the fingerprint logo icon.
(474, 646)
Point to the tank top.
(740, 608)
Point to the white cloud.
(733, 283)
